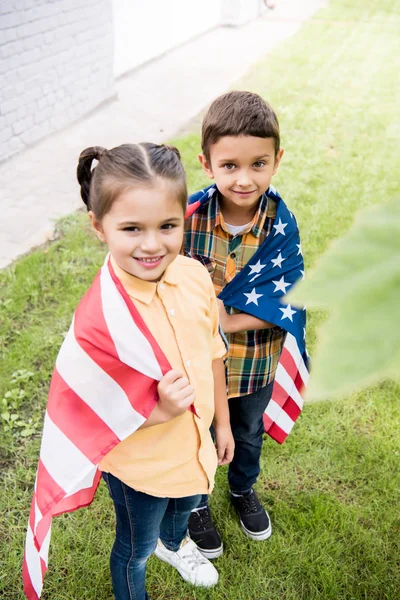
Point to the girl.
(139, 380)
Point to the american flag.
(103, 388)
(258, 290)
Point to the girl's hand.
(175, 394)
(225, 444)
(224, 318)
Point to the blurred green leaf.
(358, 281)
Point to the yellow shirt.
(177, 458)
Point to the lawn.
(333, 488)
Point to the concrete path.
(39, 185)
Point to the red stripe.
(80, 499)
(78, 421)
(191, 208)
(279, 394)
(299, 383)
(32, 514)
(277, 433)
(267, 422)
(291, 408)
(286, 402)
(42, 529)
(43, 567)
(28, 587)
(92, 334)
(289, 364)
(159, 354)
(48, 492)
(89, 315)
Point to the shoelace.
(248, 503)
(202, 519)
(192, 557)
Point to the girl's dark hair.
(124, 167)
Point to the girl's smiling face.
(143, 229)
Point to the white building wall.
(144, 29)
(56, 64)
(59, 58)
(237, 12)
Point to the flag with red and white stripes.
(259, 290)
(286, 402)
(103, 388)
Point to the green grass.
(333, 488)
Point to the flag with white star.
(259, 290)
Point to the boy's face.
(242, 167)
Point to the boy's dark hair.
(124, 167)
(239, 113)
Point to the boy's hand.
(224, 318)
(175, 394)
(225, 444)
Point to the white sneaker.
(188, 561)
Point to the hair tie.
(100, 153)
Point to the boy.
(241, 152)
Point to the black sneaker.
(204, 534)
(253, 517)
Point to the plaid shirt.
(253, 355)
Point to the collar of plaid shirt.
(215, 217)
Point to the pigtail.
(171, 149)
(123, 167)
(161, 153)
(84, 171)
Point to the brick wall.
(56, 64)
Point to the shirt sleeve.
(219, 347)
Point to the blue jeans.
(140, 520)
(246, 416)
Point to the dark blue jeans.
(246, 416)
(140, 520)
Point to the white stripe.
(33, 563)
(95, 387)
(62, 459)
(44, 550)
(132, 346)
(284, 380)
(273, 409)
(38, 514)
(278, 416)
(86, 481)
(293, 349)
(285, 422)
